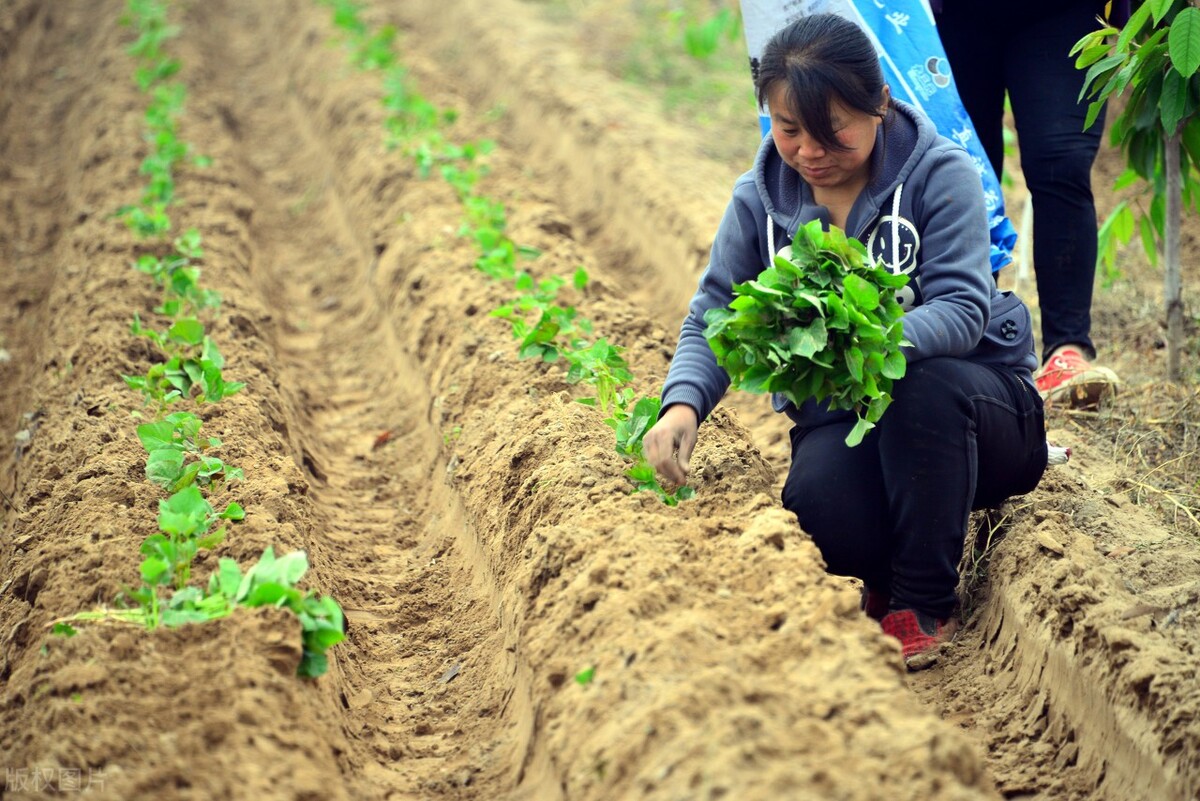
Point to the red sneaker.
(921, 636)
(1070, 377)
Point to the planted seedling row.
(544, 328)
(179, 459)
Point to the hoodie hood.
(900, 144)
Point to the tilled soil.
(471, 518)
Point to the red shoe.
(921, 636)
(1070, 377)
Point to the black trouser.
(894, 509)
(1023, 48)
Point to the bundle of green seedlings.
(544, 328)
(822, 324)
(179, 459)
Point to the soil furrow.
(419, 675)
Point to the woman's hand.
(669, 443)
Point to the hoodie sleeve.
(694, 377)
(955, 277)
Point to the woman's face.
(818, 166)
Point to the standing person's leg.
(957, 435)
(969, 36)
(1056, 157)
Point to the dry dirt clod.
(1048, 542)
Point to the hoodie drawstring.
(896, 228)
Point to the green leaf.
(1149, 239)
(187, 331)
(155, 436)
(807, 341)
(1137, 21)
(755, 379)
(210, 541)
(1125, 180)
(642, 473)
(1191, 139)
(1099, 68)
(860, 292)
(1091, 55)
(1159, 8)
(854, 362)
(312, 665)
(743, 302)
(267, 594)
(1173, 101)
(154, 568)
(584, 677)
(185, 513)
(292, 566)
(1184, 41)
(63, 630)
(227, 578)
(164, 466)
(894, 365)
(861, 427)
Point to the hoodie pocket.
(1008, 339)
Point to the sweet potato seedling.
(269, 582)
(631, 420)
(185, 522)
(272, 582)
(601, 365)
(557, 330)
(177, 456)
(192, 370)
(179, 276)
(179, 460)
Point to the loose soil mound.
(471, 518)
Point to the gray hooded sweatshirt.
(922, 212)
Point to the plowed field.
(471, 518)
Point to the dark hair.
(821, 58)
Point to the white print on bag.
(879, 245)
(927, 78)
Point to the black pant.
(894, 509)
(1022, 47)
